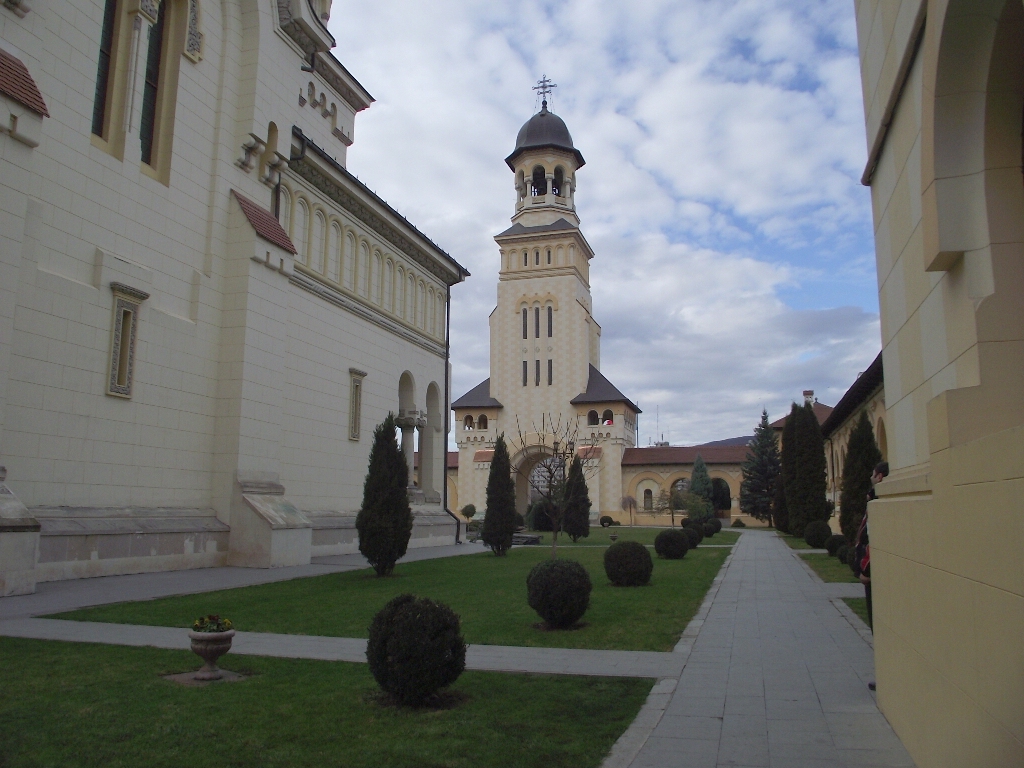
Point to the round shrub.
(415, 648)
(559, 591)
(606, 521)
(717, 523)
(709, 529)
(616, 522)
(843, 552)
(672, 544)
(816, 534)
(693, 536)
(834, 542)
(628, 564)
(737, 523)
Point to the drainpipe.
(448, 408)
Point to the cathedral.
(546, 390)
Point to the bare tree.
(558, 441)
(628, 505)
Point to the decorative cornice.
(128, 292)
(291, 24)
(339, 299)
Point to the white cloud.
(724, 142)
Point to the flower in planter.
(211, 623)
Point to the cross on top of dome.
(544, 86)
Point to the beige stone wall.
(655, 478)
(944, 126)
(837, 442)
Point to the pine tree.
(788, 460)
(384, 521)
(576, 504)
(700, 481)
(806, 497)
(862, 456)
(500, 516)
(760, 472)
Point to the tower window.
(467, 423)
(481, 423)
(536, 322)
(592, 420)
(536, 381)
(525, 323)
(549, 255)
(100, 100)
(536, 257)
(551, 372)
(607, 417)
(526, 372)
(147, 127)
(557, 183)
(526, 258)
(648, 500)
(551, 320)
(539, 182)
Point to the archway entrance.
(529, 470)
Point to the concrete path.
(776, 678)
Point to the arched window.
(285, 210)
(536, 322)
(334, 254)
(607, 417)
(556, 186)
(410, 299)
(350, 261)
(316, 258)
(400, 293)
(301, 237)
(648, 500)
(481, 423)
(377, 283)
(536, 257)
(526, 323)
(526, 258)
(422, 307)
(363, 269)
(549, 255)
(540, 182)
(592, 420)
(389, 280)
(551, 323)
(467, 423)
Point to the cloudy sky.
(724, 142)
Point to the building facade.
(202, 313)
(943, 85)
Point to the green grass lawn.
(829, 568)
(488, 592)
(599, 536)
(84, 705)
(859, 605)
(794, 542)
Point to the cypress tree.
(780, 513)
(760, 472)
(862, 456)
(384, 521)
(576, 509)
(721, 497)
(789, 461)
(500, 516)
(700, 481)
(803, 455)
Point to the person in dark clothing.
(862, 547)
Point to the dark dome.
(545, 129)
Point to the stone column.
(407, 422)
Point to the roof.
(519, 229)
(728, 454)
(18, 84)
(544, 130)
(600, 390)
(855, 396)
(820, 410)
(478, 397)
(264, 222)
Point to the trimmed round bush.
(737, 523)
(415, 648)
(672, 544)
(816, 534)
(717, 523)
(628, 564)
(693, 536)
(709, 529)
(843, 552)
(834, 542)
(559, 591)
(606, 520)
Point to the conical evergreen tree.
(862, 456)
(789, 461)
(576, 510)
(500, 516)
(760, 472)
(780, 513)
(384, 521)
(700, 480)
(803, 468)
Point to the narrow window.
(537, 379)
(124, 331)
(355, 403)
(526, 324)
(147, 128)
(551, 372)
(101, 98)
(648, 500)
(481, 423)
(526, 258)
(549, 255)
(467, 423)
(124, 350)
(526, 372)
(592, 420)
(536, 322)
(607, 418)
(557, 183)
(551, 320)
(536, 258)
(539, 182)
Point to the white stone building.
(202, 313)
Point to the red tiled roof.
(452, 460)
(670, 454)
(16, 82)
(263, 221)
(820, 410)
(484, 455)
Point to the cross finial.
(544, 87)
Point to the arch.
(608, 417)
(421, 306)
(400, 292)
(592, 419)
(538, 181)
(521, 184)
(482, 422)
(431, 452)
(389, 286)
(316, 256)
(363, 269)
(431, 309)
(406, 392)
(648, 502)
(882, 440)
(301, 237)
(559, 181)
(350, 261)
(284, 210)
(524, 462)
(378, 283)
(334, 255)
(410, 299)
(467, 423)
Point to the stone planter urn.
(210, 646)
(613, 536)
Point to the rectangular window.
(551, 323)
(526, 259)
(537, 379)
(525, 324)
(526, 372)
(123, 334)
(536, 258)
(549, 255)
(154, 56)
(355, 403)
(551, 372)
(102, 96)
(536, 322)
